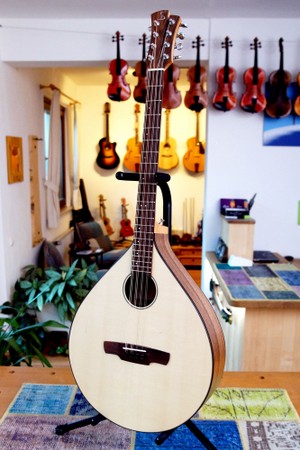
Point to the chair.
(90, 235)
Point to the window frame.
(62, 184)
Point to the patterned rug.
(233, 419)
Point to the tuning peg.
(177, 57)
(183, 25)
(179, 46)
(180, 36)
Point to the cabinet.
(190, 258)
(264, 331)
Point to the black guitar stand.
(162, 181)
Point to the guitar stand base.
(162, 437)
(62, 429)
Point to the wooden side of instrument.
(203, 306)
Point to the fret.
(146, 202)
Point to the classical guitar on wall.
(146, 347)
(126, 228)
(168, 158)
(132, 158)
(194, 158)
(102, 213)
(107, 157)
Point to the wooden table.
(12, 378)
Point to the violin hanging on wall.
(107, 157)
(132, 159)
(278, 102)
(140, 90)
(118, 90)
(171, 95)
(225, 99)
(196, 98)
(253, 100)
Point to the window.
(62, 184)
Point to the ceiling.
(76, 9)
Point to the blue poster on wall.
(284, 131)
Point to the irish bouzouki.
(146, 347)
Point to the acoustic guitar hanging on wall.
(168, 158)
(146, 347)
(132, 158)
(107, 157)
(194, 158)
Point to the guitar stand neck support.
(162, 181)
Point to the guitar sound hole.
(140, 289)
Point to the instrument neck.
(255, 67)
(197, 66)
(118, 60)
(107, 129)
(146, 199)
(226, 67)
(197, 128)
(167, 125)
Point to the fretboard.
(142, 249)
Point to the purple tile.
(235, 277)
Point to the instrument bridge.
(136, 354)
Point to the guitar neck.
(146, 199)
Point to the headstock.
(164, 29)
(106, 108)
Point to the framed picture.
(14, 153)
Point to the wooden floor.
(12, 378)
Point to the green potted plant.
(21, 338)
(64, 288)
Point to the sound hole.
(140, 289)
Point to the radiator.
(232, 322)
